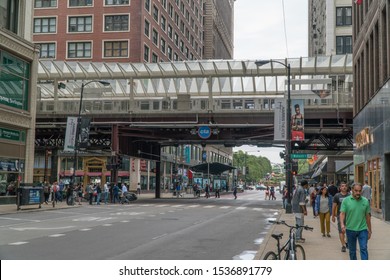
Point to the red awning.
(123, 173)
(94, 174)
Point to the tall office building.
(218, 29)
(119, 30)
(371, 59)
(18, 76)
(330, 27)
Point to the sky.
(259, 33)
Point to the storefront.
(372, 153)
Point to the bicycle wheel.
(298, 254)
(270, 256)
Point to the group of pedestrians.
(350, 208)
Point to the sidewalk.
(316, 246)
(325, 248)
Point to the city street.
(168, 228)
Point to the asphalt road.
(148, 229)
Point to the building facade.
(218, 29)
(330, 27)
(18, 76)
(124, 31)
(119, 30)
(371, 32)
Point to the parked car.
(260, 187)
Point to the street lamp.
(288, 131)
(69, 200)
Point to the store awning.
(212, 168)
(319, 169)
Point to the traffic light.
(294, 168)
(282, 154)
(119, 161)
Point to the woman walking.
(323, 208)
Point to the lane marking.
(106, 225)
(160, 236)
(57, 235)
(41, 228)
(224, 207)
(18, 219)
(177, 206)
(209, 206)
(85, 229)
(18, 243)
(193, 206)
(241, 208)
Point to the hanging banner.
(280, 120)
(84, 133)
(70, 134)
(297, 120)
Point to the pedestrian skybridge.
(167, 101)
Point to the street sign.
(300, 156)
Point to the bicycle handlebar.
(306, 227)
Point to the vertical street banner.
(280, 120)
(70, 134)
(84, 133)
(297, 120)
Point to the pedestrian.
(235, 192)
(323, 208)
(217, 189)
(366, 191)
(299, 208)
(207, 191)
(46, 192)
(124, 192)
(178, 188)
(105, 192)
(337, 200)
(332, 189)
(79, 193)
(266, 193)
(272, 193)
(285, 197)
(139, 188)
(89, 191)
(313, 196)
(115, 192)
(355, 220)
(99, 193)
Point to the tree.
(259, 166)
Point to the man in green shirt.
(355, 221)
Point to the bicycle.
(292, 250)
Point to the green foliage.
(258, 166)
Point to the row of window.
(82, 24)
(84, 49)
(344, 16)
(175, 16)
(173, 56)
(77, 3)
(175, 38)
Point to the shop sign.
(363, 138)
(204, 132)
(10, 134)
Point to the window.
(154, 58)
(116, 2)
(175, 57)
(45, 3)
(78, 3)
(176, 19)
(343, 16)
(116, 23)
(45, 25)
(48, 50)
(155, 13)
(169, 31)
(181, 46)
(182, 26)
(170, 10)
(147, 5)
(146, 53)
(169, 52)
(116, 49)
(155, 37)
(162, 45)
(176, 39)
(163, 23)
(80, 50)
(164, 4)
(343, 44)
(147, 28)
(80, 24)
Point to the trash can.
(29, 195)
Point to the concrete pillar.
(135, 173)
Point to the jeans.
(105, 197)
(299, 221)
(362, 238)
(98, 198)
